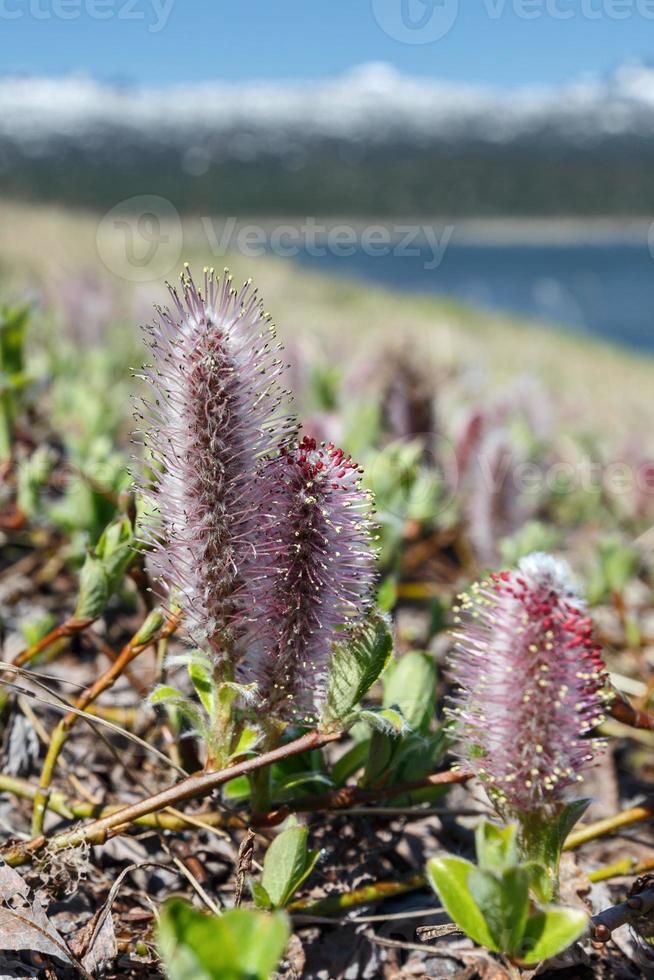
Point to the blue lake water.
(605, 288)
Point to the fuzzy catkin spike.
(319, 577)
(216, 410)
(531, 685)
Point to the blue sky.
(499, 42)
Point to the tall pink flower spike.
(217, 409)
(318, 577)
(531, 685)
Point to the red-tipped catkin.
(318, 575)
(530, 685)
(216, 410)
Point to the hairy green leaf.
(358, 660)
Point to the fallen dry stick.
(199, 784)
(635, 907)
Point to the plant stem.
(365, 895)
(628, 866)
(66, 629)
(261, 781)
(622, 710)
(199, 784)
(223, 715)
(64, 726)
(636, 906)
(607, 826)
(79, 810)
(347, 796)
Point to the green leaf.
(503, 899)
(116, 550)
(241, 944)
(247, 742)
(379, 769)
(387, 594)
(356, 664)
(410, 685)
(449, 878)
(543, 841)
(284, 786)
(260, 896)
(567, 819)
(541, 880)
(497, 847)
(350, 762)
(202, 682)
(94, 590)
(549, 932)
(287, 864)
(104, 568)
(165, 693)
(385, 720)
(237, 789)
(151, 626)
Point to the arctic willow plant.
(215, 413)
(316, 574)
(531, 690)
(262, 542)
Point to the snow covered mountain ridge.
(370, 105)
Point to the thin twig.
(608, 826)
(366, 895)
(65, 630)
(348, 796)
(622, 710)
(197, 785)
(635, 907)
(60, 734)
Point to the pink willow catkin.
(317, 575)
(217, 410)
(531, 685)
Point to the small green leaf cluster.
(241, 944)
(496, 901)
(212, 717)
(104, 568)
(287, 865)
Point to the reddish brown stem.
(199, 784)
(66, 629)
(348, 796)
(623, 711)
